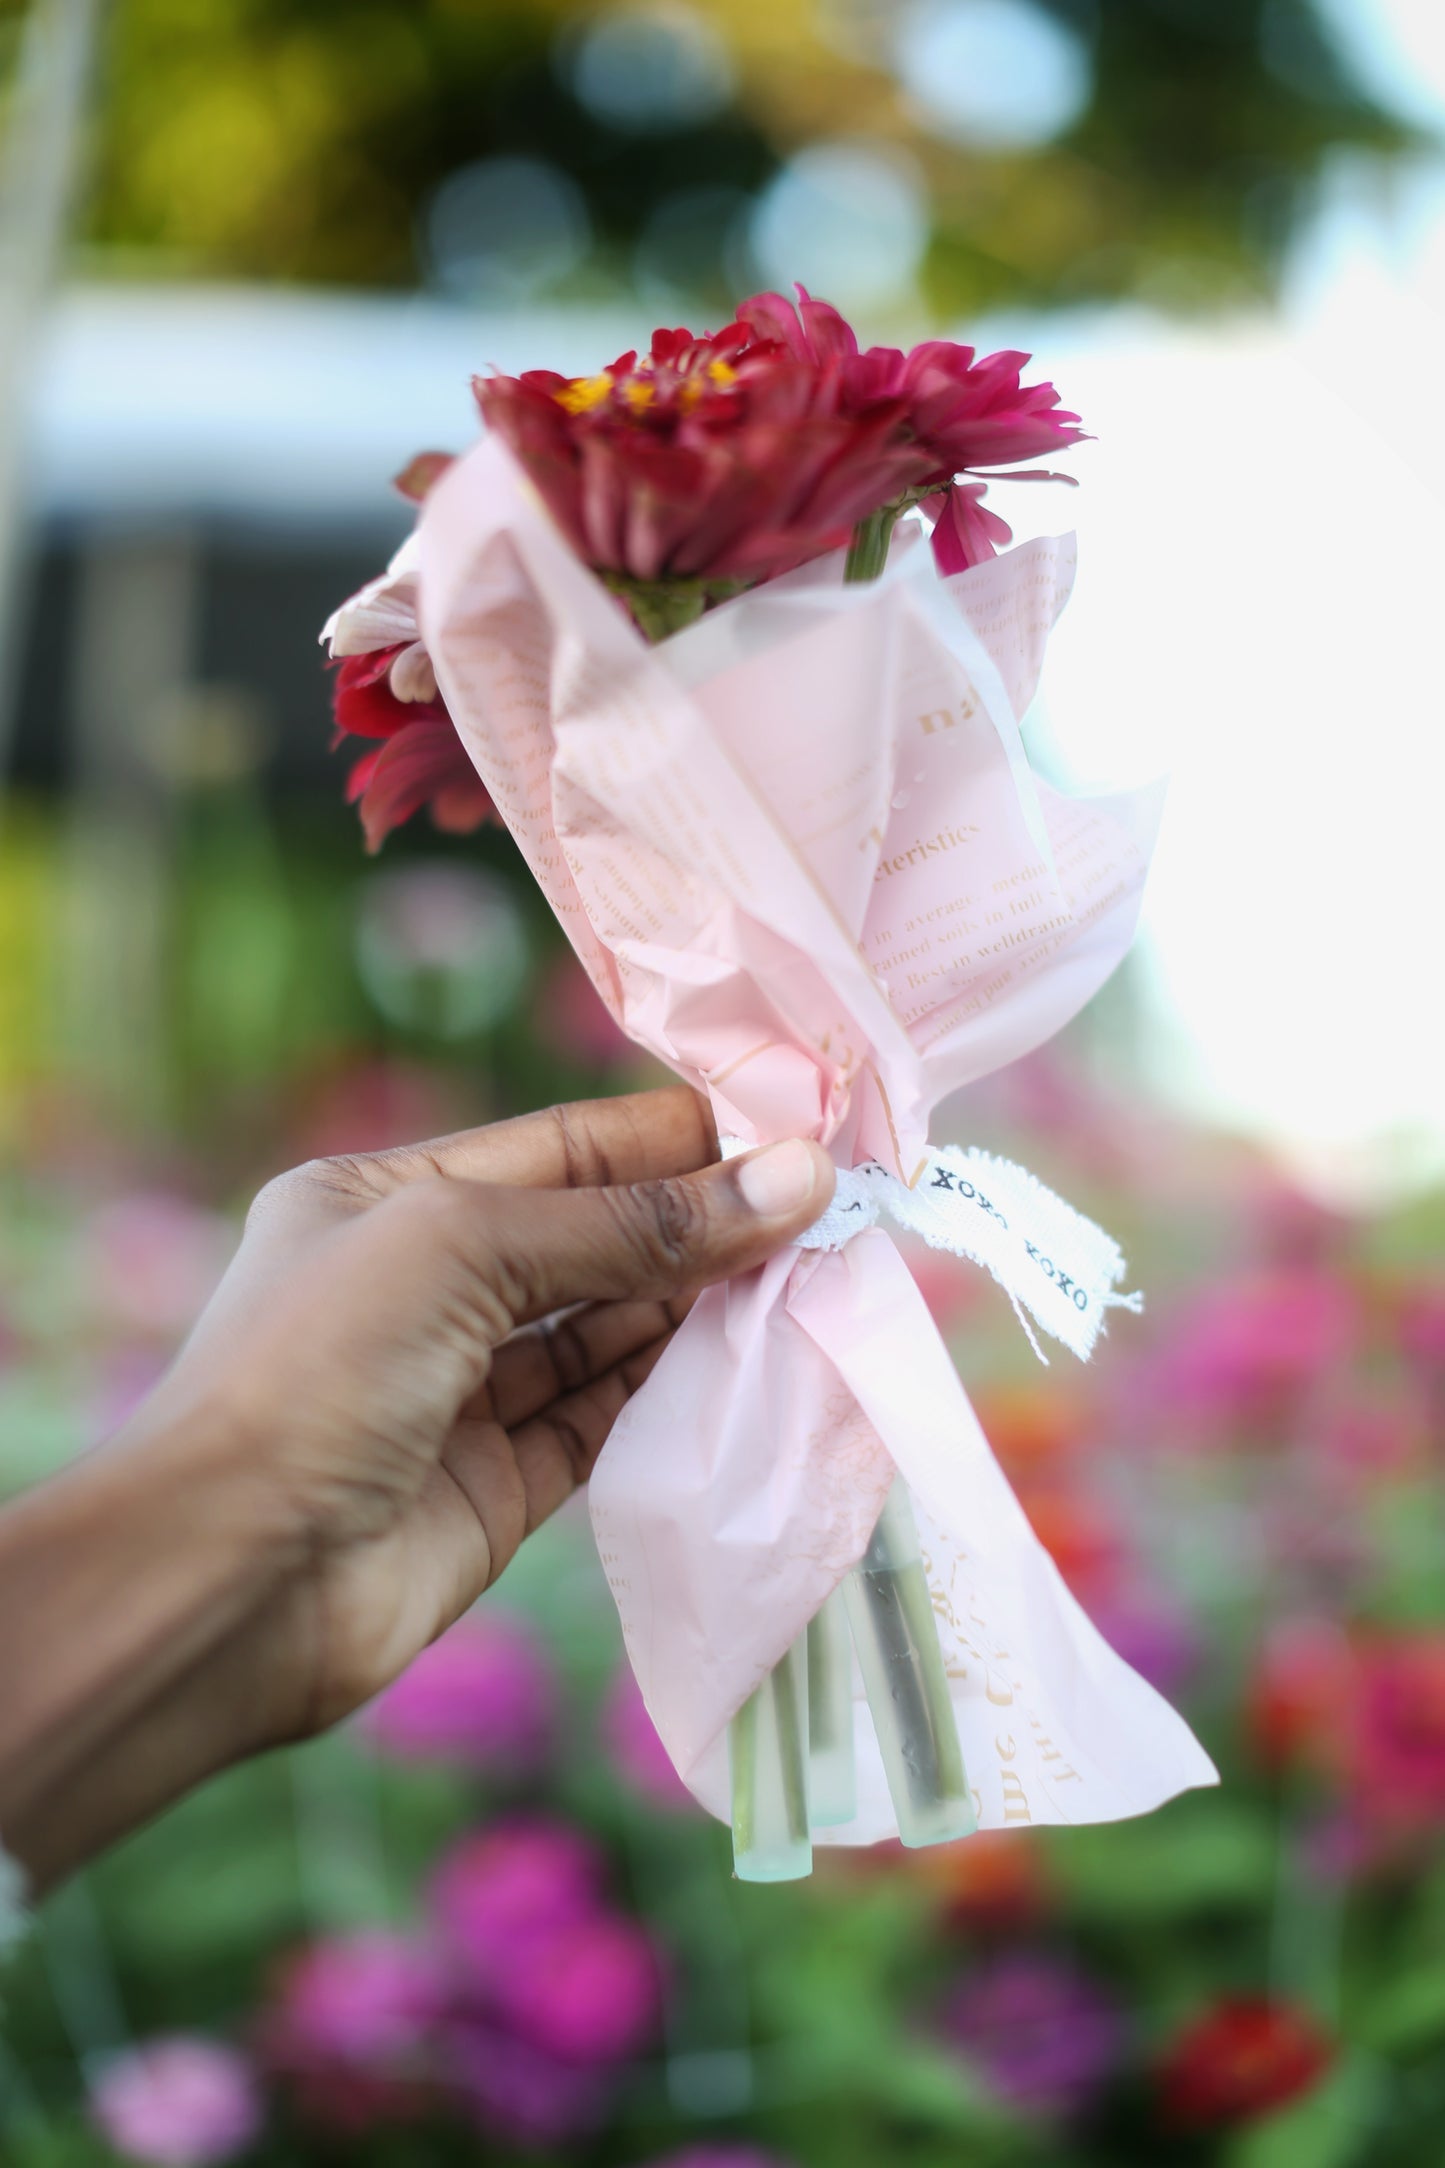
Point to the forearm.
(125, 1584)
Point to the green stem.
(868, 551)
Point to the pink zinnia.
(365, 2000)
(179, 2101)
(482, 1696)
(497, 1894)
(1399, 1738)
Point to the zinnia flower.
(962, 413)
(715, 461)
(386, 688)
(365, 2000)
(177, 2102)
(1398, 1750)
(1044, 2036)
(498, 1893)
(1238, 2061)
(483, 1696)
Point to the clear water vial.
(768, 1757)
(891, 1614)
(832, 1777)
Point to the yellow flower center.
(584, 393)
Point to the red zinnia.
(1239, 2060)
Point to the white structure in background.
(1258, 610)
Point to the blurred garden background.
(251, 252)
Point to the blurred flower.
(571, 1017)
(1153, 1634)
(587, 1992)
(178, 2101)
(1082, 1540)
(1030, 1427)
(386, 688)
(996, 1882)
(155, 1260)
(366, 1999)
(519, 2093)
(638, 1755)
(484, 1695)
(1045, 2036)
(1422, 1324)
(497, 1894)
(1239, 2060)
(1241, 1349)
(1399, 1743)
(1299, 1702)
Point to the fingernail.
(778, 1180)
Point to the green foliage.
(303, 141)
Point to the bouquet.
(729, 639)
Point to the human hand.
(414, 1359)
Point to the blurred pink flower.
(587, 1992)
(1153, 1634)
(1422, 1324)
(571, 1017)
(1239, 1348)
(366, 1999)
(1044, 2035)
(155, 1260)
(484, 1695)
(517, 2092)
(178, 2101)
(498, 1893)
(638, 1755)
(1399, 1742)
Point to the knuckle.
(671, 1223)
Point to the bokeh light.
(850, 219)
(649, 69)
(995, 74)
(505, 229)
(440, 949)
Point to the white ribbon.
(1051, 1262)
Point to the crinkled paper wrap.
(802, 855)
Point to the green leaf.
(1184, 1860)
(1329, 2128)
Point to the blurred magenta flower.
(484, 1696)
(515, 2091)
(1399, 1740)
(178, 2101)
(496, 1894)
(1045, 2036)
(1239, 1349)
(1239, 2060)
(1154, 1634)
(587, 1992)
(638, 1755)
(366, 1999)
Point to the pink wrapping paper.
(801, 853)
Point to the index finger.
(589, 1144)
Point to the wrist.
(121, 1577)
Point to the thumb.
(540, 1250)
